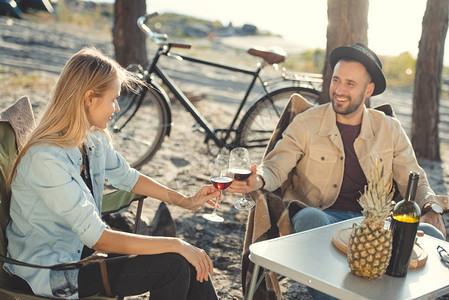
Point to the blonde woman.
(57, 185)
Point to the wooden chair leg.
(105, 278)
(138, 214)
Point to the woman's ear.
(88, 97)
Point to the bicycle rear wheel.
(138, 130)
(259, 122)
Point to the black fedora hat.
(366, 57)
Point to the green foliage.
(100, 16)
(12, 79)
(182, 26)
(399, 70)
(445, 81)
(311, 61)
(168, 18)
(446, 70)
(174, 24)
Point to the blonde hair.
(64, 122)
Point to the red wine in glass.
(240, 167)
(240, 174)
(221, 178)
(222, 183)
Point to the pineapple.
(370, 243)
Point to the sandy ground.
(40, 50)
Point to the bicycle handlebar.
(158, 38)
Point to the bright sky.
(394, 26)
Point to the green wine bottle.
(404, 225)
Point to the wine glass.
(221, 178)
(240, 166)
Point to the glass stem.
(215, 204)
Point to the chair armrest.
(97, 257)
(117, 200)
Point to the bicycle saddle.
(271, 57)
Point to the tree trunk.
(348, 24)
(427, 86)
(129, 40)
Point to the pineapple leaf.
(376, 201)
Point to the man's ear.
(88, 97)
(369, 89)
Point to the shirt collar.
(366, 132)
(329, 123)
(74, 155)
(90, 144)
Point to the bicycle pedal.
(197, 127)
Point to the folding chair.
(270, 216)
(10, 140)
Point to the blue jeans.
(311, 217)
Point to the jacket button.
(335, 186)
(341, 157)
(322, 157)
(79, 251)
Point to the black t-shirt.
(85, 174)
(354, 179)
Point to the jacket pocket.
(321, 166)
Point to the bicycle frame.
(251, 128)
(171, 85)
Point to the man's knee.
(309, 218)
(431, 231)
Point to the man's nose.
(340, 90)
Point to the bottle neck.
(412, 186)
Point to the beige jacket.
(311, 151)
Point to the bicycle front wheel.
(259, 122)
(140, 126)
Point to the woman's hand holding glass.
(221, 178)
(203, 195)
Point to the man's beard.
(352, 107)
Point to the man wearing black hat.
(331, 149)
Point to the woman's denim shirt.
(53, 213)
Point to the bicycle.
(152, 105)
